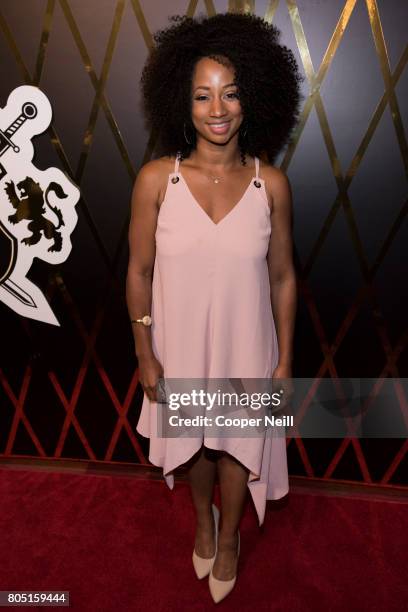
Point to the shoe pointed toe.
(219, 589)
(202, 566)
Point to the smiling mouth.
(219, 128)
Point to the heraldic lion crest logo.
(37, 206)
(30, 206)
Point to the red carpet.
(122, 544)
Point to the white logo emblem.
(37, 207)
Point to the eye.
(233, 95)
(202, 97)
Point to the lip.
(219, 128)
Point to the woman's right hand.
(150, 370)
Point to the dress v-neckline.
(202, 209)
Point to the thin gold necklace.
(216, 179)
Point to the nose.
(217, 107)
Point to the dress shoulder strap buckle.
(175, 179)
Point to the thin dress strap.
(177, 162)
(257, 167)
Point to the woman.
(210, 268)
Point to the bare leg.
(201, 476)
(233, 477)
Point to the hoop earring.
(244, 133)
(185, 136)
(242, 144)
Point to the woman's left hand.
(282, 381)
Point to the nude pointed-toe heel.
(221, 588)
(201, 565)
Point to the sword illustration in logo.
(8, 243)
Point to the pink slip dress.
(212, 318)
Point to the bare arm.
(282, 276)
(142, 250)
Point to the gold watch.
(146, 320)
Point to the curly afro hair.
(266, 75)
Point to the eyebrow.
(204, 87)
